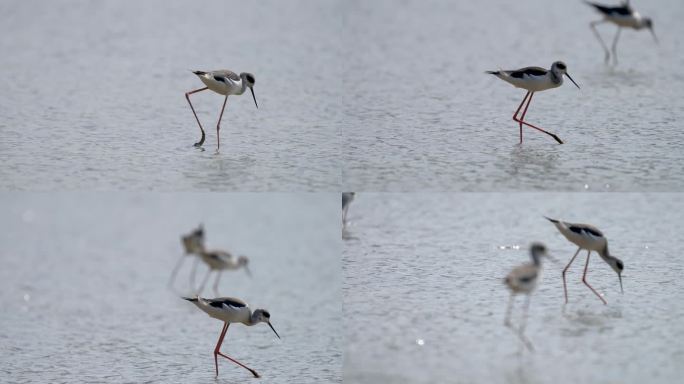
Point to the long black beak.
(621, 291)
(254, 97)
(573, 81)
(654, 35)
(274, 331)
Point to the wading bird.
(231, 310)
(192, 243)
(624, 17)
(223, 82)
(534, 79)
(523, 279)
(220, 261)
(347, 198)
(590, 238)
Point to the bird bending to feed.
(523, 279)
(534, 79)
(231, 310)
(220, 261)
(192, 243)
(347, 198)
(590, 238)
(223, 82)
(624, 17)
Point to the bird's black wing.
(229, 301)
(224, 75)
(530, 71)
(592, 231)
(622, 10)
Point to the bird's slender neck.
(535, 258)
(243, 83)
(556, 78)
(252, 320)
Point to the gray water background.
(429, 268)
(420, 114)
(83, 288)
(93, 95)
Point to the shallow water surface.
(93, 95)
(422, 116)
(83, 287)
(424, 298)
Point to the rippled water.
(421, 115)
(93, 95)
(83, 288)
(424, 299)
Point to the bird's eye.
(267, 315)
(250, 78)
(561, 66)
(620, 265)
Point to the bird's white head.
(263, 316)
(537, 251)
(250, 80)
(559, 69)
(194, 241)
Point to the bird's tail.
(493, 72)
(551, 220)
(191, 299)
(598, 7)
(199, 73)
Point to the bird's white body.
(584, 236)
(523, 278)
(219, 260)
(533, 82)
(223, 82)
(633, 20)
(587, 237)
(230, 310)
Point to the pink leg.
(527, 106)
(217, 352)
(515, 115)
(584, 279)
(521, 331)
(218, 125)
(187, 96)
(565, 288)
(530, 125)
(218, 345)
